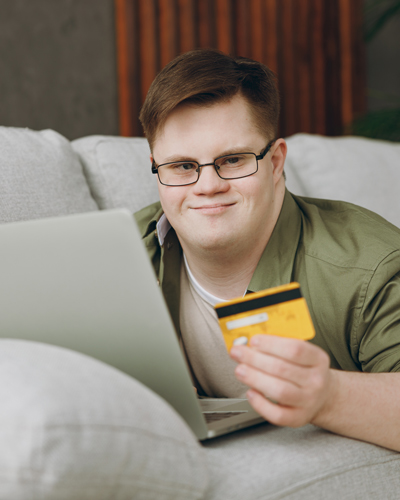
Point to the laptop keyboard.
(220, 415)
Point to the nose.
(209, 181)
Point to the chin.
(216, 242)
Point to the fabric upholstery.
(74, 428)
(362, 171)
(345, 168)
(118, 171)
(40, 176)
(273, 463)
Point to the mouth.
(214, 208)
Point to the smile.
(214, 208)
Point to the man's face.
(214, 213)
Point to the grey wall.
(58, 66)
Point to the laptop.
(84, 282)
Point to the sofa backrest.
(361, 171)
(42, 174)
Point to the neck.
(221, 276)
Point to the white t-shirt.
(203, 344)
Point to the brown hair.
(205, 76)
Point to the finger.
(297, 351)
(276, 414)
(283, 391)
(272, 365)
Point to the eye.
(231, 161)
(181, 167)
(187, 166)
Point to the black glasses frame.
(154, 168)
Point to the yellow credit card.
(281, 311)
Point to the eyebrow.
(231, 151)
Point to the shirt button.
(169, 246)
(158, 282)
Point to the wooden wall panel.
(187, 25)
(257, 29)
(149, 43)
(314, 46)
(317, 75)
(242, 28)
(128, 67)
(303, 69)
(168, 31)
(286, 68)
(270, 34)
(224, 16)
(207, 24)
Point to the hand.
(289, 379)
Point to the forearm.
(363, 406)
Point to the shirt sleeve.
(378, 332)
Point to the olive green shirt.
(347, 261)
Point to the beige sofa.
(74, 428)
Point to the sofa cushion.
(73, 427)
(362, 171)
(118, 170)
(40, 176)
(273, 463)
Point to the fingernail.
(250, 394)
(236, 353)
(241, 370)
(255, 341)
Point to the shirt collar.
(276, 264)
(162, 228)
(153, 212)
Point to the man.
(227, 226)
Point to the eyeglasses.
(184, 173)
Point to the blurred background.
(83, 67)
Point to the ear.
(278, 156)
(151, 158)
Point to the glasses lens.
(238, 165)
(179, 173)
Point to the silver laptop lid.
(85, 282)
